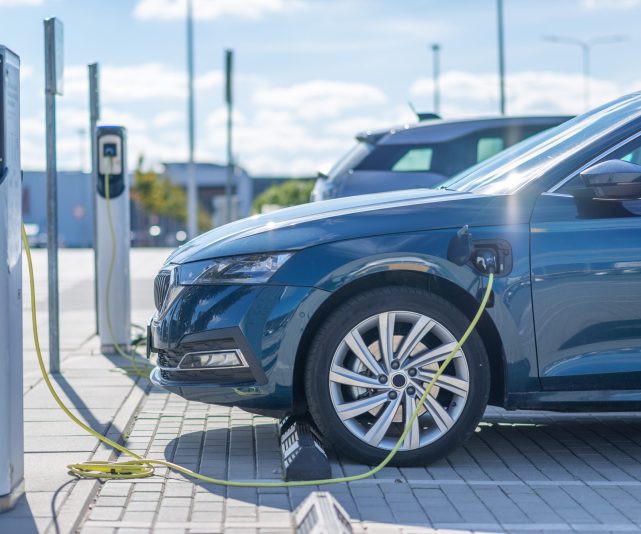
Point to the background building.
(75, 210)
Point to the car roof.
(437, 131)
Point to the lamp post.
(192, 189)
(436, 76)
(586, 48)
(501, 49)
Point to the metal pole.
(192, 191)
(436, 74)
(586, 50)
(229, 65)
(52, 193)
(499, 14)
(94, 117)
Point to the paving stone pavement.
(524, 472)
(521, 472)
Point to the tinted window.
(634, 156)
(415, 159)
(446, 158)
(488, 146)
(441, 158)
(510, 170)
(351, 159)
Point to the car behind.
(423, 154)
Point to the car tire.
(338, 380)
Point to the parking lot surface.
(521, 472)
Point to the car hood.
(346, 218)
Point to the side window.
(415, 159)
(630, 152)
(634, 156)
(488, 146)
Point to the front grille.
(161, 288)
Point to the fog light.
(212, 360)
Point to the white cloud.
(528, 92)
(26, 71)
(350, 126)
(20, 3)
(212, 9)
(298, 129)
(209, 80)
(129, 83)
(169, 118)
(611, 4)
(137, 83)
(319, 98)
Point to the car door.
(586, 285)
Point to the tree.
(288, 193)
(158, 195)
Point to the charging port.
(492, 253)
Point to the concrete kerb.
(84, 492)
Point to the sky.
(309, 74)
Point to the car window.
(516, 167)
(634, 156)
(414, 160)
(629, 152)
(350, 160)
(488, 146)
(399, 158)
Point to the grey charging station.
(111, 161)
(11, 409)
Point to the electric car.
(342, 310)
(423, 154)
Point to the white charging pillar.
(111, 160)
(11, 412)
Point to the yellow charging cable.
(141, 467)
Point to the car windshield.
(351, 159)
(510, 170)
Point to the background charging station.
(111, 158)
(11, 413)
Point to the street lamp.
(500, 34)
(192, 188)
(586, 48)
(436, 74)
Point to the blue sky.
(309, 73)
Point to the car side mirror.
(613, 179)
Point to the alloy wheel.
(378, 374)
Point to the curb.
(74, 510)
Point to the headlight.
(251, 269)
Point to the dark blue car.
(343, 309)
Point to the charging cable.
(140, 467)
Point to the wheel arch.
(465, 302)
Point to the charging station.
(11, 412)
(113, 213)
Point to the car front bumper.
(263, 323)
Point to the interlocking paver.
(522, 472)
